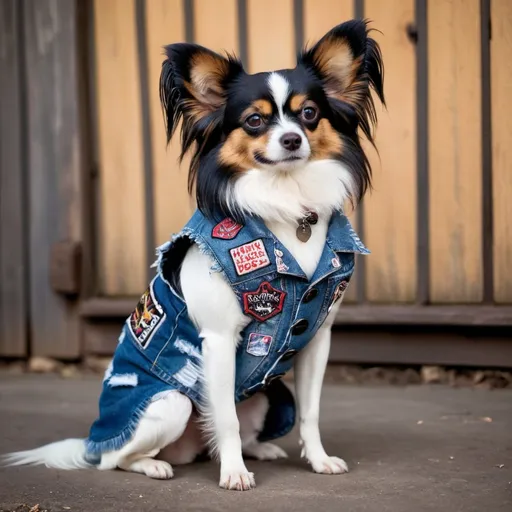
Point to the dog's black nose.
(291, 141)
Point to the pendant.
(303, 231)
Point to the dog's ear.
(193, 84)
(349, 63)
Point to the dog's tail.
(67, 454)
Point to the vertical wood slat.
(320, 16)
(501, 92)
(165, 25)
(54, 166)
(122, 224)
(455, 151)
(271, 38)
(390, 209)
(216, 25)
(13, 335)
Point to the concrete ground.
(409, 449)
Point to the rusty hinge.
(65, 264)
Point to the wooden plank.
(55, 168)
(101, 338)
(165, 25)
(413, 347)
(455, 152)
(390, 209)
(216, 24)
(13, 335)
(322, 15)
(460, 315)
(121, 164)
(356, 345)
(271, 38)
(501, 84)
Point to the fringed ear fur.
(349, 63)
(193, 86)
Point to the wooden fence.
(97, 177)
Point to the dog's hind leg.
(251, 414)
(163, 422)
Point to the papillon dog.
(251, 286)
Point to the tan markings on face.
(297, 101)
(239, 148)
(262, 107)
(324, 141)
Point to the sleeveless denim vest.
(159, 348)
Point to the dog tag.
(304, 232)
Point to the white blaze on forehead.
(280, 89)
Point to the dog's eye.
(309, 114)
(254, 121)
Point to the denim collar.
(341, 237)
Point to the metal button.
(310, 295)
(300, 327)
(288, 354)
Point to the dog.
(251, 286)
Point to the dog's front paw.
(328, 465)
(237, 480)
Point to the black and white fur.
(210, 93)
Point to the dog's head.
(278, 122)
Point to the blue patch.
(259, 344)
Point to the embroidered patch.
(264, 303)
(146, 318)
(259, 344)
(281, 266)
(249, 257)
(227, 229)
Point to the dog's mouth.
(266, 161)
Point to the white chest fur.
(307, 254)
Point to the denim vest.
(159, 349)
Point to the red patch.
(249, 257)
(227, 229)
(264, 303)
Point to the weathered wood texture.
(165, 25)
(501, 83)
(390, 209)
(122, 243)
(13, 210)
(321, 15)
(455, 151)
(54, 165)
(271, 37)
(429, 347)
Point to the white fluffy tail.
(67, 454)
